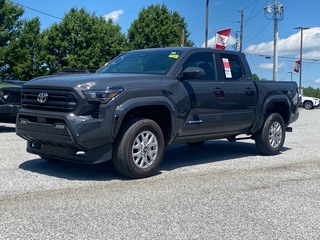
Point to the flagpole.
(301, 43)
(207, 20)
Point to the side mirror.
(193, 72)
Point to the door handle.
(219, 92)
(250, 91)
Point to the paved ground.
(221, 190)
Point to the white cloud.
(114, 15)
(266, 66)
(317, 81)
(291, 46)
(270, 65)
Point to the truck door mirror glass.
(193, 72)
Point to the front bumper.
(65, 137)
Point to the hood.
(90, 81)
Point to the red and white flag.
(222, 37)
(297, 66)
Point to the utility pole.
(182, 37)
(277, 11)
(301, 44)
(241, 30)
(207, 21)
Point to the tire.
(270, 138)
(139, 148)
(308, 105)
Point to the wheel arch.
(159, 109)
(274, 104)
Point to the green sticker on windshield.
(173, 55)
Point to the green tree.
(23, 52)
(311, 92)
(81, 39)
(255, 77)
(9, 28)
(156, 26)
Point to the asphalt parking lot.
(220, 190)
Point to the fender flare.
(123, 108)
(276, 98)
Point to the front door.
(201, 107)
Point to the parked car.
(309, 102)
(10, 98)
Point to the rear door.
(240, 92)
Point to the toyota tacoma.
(143, 100)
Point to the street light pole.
(301, 44)
(291, 76)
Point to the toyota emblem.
(42, 98)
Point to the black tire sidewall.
(124, 152)
(262, 138)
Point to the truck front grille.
(49, 100)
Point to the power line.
(259, 32)
(35, 10)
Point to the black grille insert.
(57, 100)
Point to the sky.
(258, 28)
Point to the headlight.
(3, 96)
(102, 96)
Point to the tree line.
(80, 40)
(83, 40)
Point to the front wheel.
(270, 138)
(139, 148)
(308, 105)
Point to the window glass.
(202, 60)
(232, 67)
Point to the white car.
(309, 102)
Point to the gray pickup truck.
(143, 100)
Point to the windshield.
(143, 62)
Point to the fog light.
(23, 121)
(59, 126)
(81, 153)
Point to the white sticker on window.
(227, 69)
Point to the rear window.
(232, 67)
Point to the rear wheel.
(270, 138)
(139, 148)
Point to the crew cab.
(144, 100)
